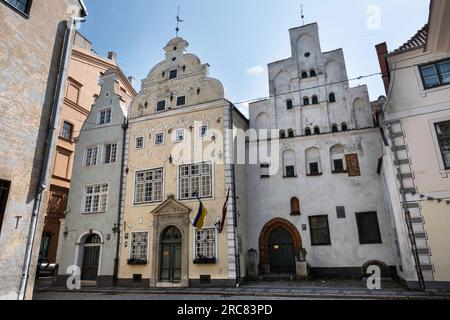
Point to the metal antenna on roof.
(179, 20)
(303, 16)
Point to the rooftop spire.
(179, 20)
(303, 16)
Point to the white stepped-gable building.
(326, 196)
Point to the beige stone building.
(179, 145)
(417, 137)
(36, 39)
(81, 91)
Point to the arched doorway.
(91, 257)
(279, 242)
(281, 251)
(171, 253)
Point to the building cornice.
(76, 107)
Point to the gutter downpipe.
(407, 213)
(44, 180)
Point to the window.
(368, 228)
(344, 127)
(332, 98)
(314, 169)
(265, 171)
(315, 100)
(91, 156)
(205, 245)
(195, 180)
(304, 74)
(289, 164)
(282, 134)
(338, 166)
(21, 5)
(340, 211)
(159, 139)
(45, 244)
(67, 130)
(110, 153)
(139, 246)
(334, 128)
(312, 73)
(4, 192)
(179, 135)
(95, 198)
(313, 162)
(316, 130)
(308, 132)
(139, 143)
(295, 206)
(161, 105)
(290, 171)
(291, 133)
(306, 101)
(203, 131)
(443, 135)
(173, 74)
(337, 153)
(289, 105)
(105, 117)
(181, 101)
(148, 186)
(320, 231)
(435, 74)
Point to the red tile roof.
(417, 41)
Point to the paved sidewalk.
(267, 290)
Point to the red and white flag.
(224, 212)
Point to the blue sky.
(239, 38)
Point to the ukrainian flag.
(201, 215)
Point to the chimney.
(132, 81)
(382, 52)
(112, 56)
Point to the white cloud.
(255, 71)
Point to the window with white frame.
(91, 156)
(179, 135)
(96, 198)
(139, 143)
(159, 139)
(110, 153)
(105, 116)
(205, 244)
(203, 131)
(139, 246)
(181, 101)
(148, 186)
(443, 135)
(195, 180)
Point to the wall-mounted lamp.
(218, 224)
(115, 229)
(170, 159)
(66, 233)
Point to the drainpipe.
(409, 225)
(233, 172)
(119, 214)
(52, 134)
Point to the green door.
(281, 252)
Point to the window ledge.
(290, 177)
(339, 172)
(92, 213)
(137, 262)
(23, 14)
(205, 261)
(314, 174)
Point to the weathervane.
(303, 17)
(179, 20)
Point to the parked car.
(45, 268)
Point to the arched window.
(289, 104)
(334, 128)
(282, 134)
(337, 153)
(315, 100)
(316, 130)
(332, 98)
(308, 132)
(304, 74)
(306, 101)
(291, 133)
(92, 239)
(313, 162)
(295, 207)
(312, 73)
(289, 164)
(344, 127)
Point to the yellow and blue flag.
(199, 221)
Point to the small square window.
(340, 212)
(314, 168)
(139, 143)
(290, 171)
(159, 139)
(161, 105)
(179, 135)
(173, 74)
(203, 131)
(181, 101)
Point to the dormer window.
(173, 74)
(161, 105)
(104, 116)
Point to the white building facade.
(323, 193)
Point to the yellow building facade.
(179, 152)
